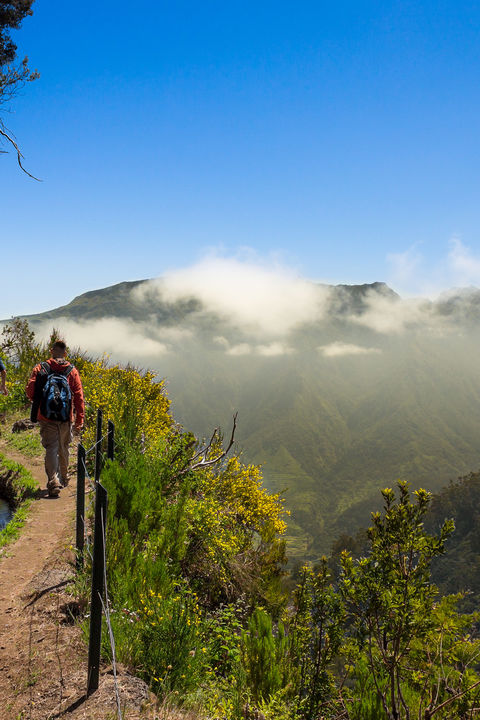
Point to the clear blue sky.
(332, 135)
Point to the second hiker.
(3, 378)
(56, 392)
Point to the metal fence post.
(110, 440)
(98, 445)
(98, 569)
(80, 525)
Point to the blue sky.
(338, 139)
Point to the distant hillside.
(459, 569)
(110, 301)
(115, 301)
(375, 389)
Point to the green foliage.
(395, 620)
(20, 348)
(226, 625)
(166, 584)
(12, 530)
(459, 569)
(21, 352)
(329, 431)
(316, 635)
(164, 638)
(195, 567)
(264, 653)
(15, 400)
(20, 482)
(13, 76)
(12, 12)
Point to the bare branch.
(203, 453)
(204, 450)
(453, 698)
(9, 139)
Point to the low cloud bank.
(123, 339)
(259, 300)
(341, 349)
(273, 349)
(390, 316)
(246, 309)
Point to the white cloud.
(339, 349)
(274, 349)
(389, 315)
(255, 298)
(123, 339)
(240, 349)
(167, 334)
(465, 268)
(405, 269)
(411, 274)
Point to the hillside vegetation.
(195, 564)
(397, 397)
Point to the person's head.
(59, 349)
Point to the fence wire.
(88, 546)
(106, 612)
(95, 444)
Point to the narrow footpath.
(43, 657)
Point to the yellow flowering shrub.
(240, 489)
(133, 399)
(235, 529)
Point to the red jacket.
(78, 403)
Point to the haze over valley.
(340, 390)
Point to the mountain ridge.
(375, 389)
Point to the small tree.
(263, 655)
(409, 640)
(20, 347)
(316, 635)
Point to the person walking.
(56, 392)
(3, 376)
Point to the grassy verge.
(18, 487)
(27, 442)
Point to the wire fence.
(96, 506)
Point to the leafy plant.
(396, 622)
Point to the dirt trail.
(48, 519)
(43, 658)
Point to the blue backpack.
(56, 400)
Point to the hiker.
(56, 392)
(3, 376)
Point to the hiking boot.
(53, 487)
(64, 481)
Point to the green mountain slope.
(328, 429)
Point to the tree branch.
(9, 139)
(203, 452)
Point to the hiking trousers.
(56, 437)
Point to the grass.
(11, 531)
(27, 443)
(21, 489)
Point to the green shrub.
(264, 654)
